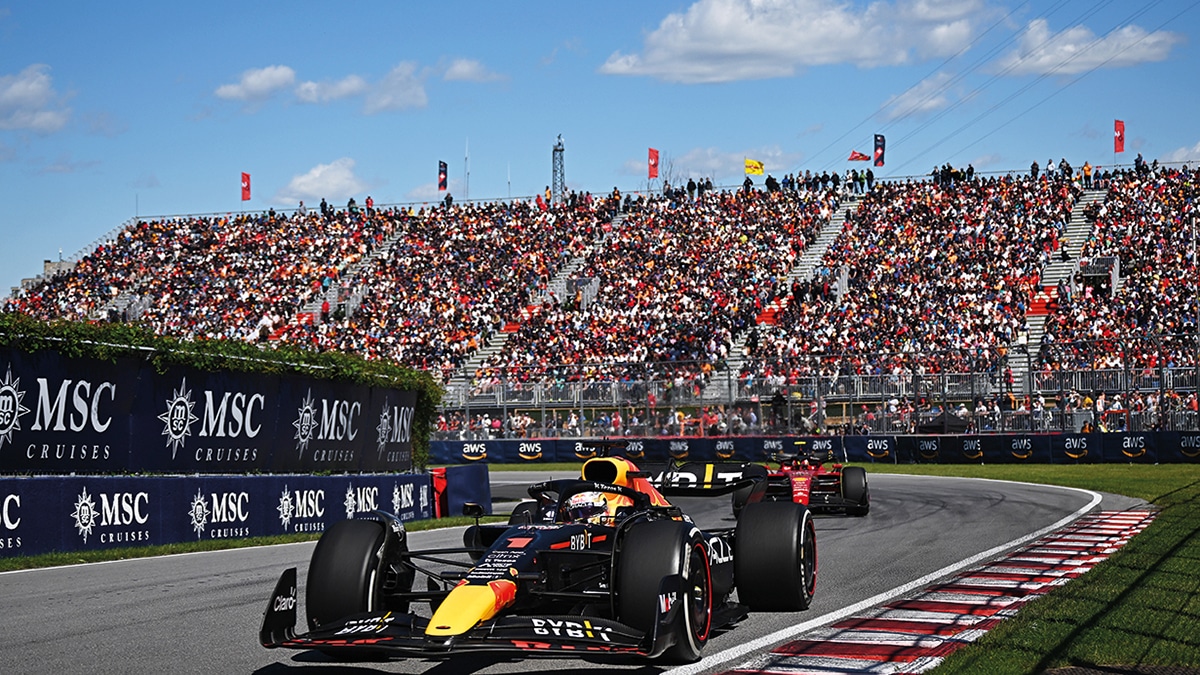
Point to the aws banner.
(65, 415)
(51, 513)
(1148, 447)
(746, 448)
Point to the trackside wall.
(52, 513)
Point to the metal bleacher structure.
(1059, 269)
(557, 292)
(724, 387)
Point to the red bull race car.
(603, 564)
(812, 479)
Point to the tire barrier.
(52, 513)
(1147, 447)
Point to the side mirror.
(472, 510)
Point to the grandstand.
(1008, 301)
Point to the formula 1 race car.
(599, 565)
(814, 480)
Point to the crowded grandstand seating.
(1146, 227)
(453, 277)
(677, 280)
(212, 277)
(939, 278)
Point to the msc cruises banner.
(54, 513)
(65, 415)
(1160, 447)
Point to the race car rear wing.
(699, 479)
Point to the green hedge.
(108, 341)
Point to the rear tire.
(650, 552)
(775, 557)
(854, 489)
(344, 574)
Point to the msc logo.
(395, 426)
(11, 409)
(301, 505)
(219, 508)
(360, 500)
(116, 509)
(402, 497)
(231, 417)
(336, 421)
(10, 516)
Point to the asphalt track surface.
(200, 613)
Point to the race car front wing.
(405, 633)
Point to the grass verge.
(1141, 607)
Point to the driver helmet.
(590, 507)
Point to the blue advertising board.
(1070, 448)
(53, 513)
(61, 415)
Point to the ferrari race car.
(600, 565)
(814, 480)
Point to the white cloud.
(717, 164)
(1184, 154)
(258, 84)
(927, 96)
(469, 70)
(28, 101)
(400, 89)
(1076, 50)
(334, 181)
(727, 40)
(429, 192)
(323, 92)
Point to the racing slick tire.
(343, 576)
(650, 552)
(775, 557)
(854, 489)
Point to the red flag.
(245, 186)
(856, 156)
(1118, 136)
(653, 163)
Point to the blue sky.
(111, 110)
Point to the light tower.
(558, 182)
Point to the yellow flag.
(754, 167)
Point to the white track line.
(742, 650)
